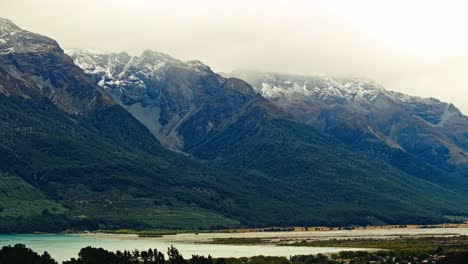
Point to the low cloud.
(418, 48)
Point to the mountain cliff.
(182, 103)
(35, 66)
(363, 114)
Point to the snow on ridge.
(14, 39)
(274, 85)
(197, 65)
(8, 30)
(330, 89)
(120, 69)
(359, 93)
(412, 98)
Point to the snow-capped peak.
(7, 26)
(360, 94)
(117, 71)
(325, 88)
(7, 30)
(15, 39)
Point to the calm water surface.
(63, 247)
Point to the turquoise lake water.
(63, 247)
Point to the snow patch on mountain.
(13, 39)
(272, 85)
(7, 30)
(360, 94)
(322, 88)
(147, 86)
(117, 70)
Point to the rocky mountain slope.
(190, 108)
(33, 65)
(361, 112)
(71, 157)
(180, 102)
(82, 150)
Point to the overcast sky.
(416, 47)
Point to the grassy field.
(240, 241)
(152, 233)
(421, 244)
(19, 199)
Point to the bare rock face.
(33, 66)
(363, 114)
(182, 103)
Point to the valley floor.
(293, 234)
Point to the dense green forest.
(107, 171)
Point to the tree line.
(20, 254)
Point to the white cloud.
(418, 47)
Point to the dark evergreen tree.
(174, 256)
(196, 259)
(19, 254)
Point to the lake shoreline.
(65, 246)
(165, 232)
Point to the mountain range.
(110, 140)
(356, 110)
